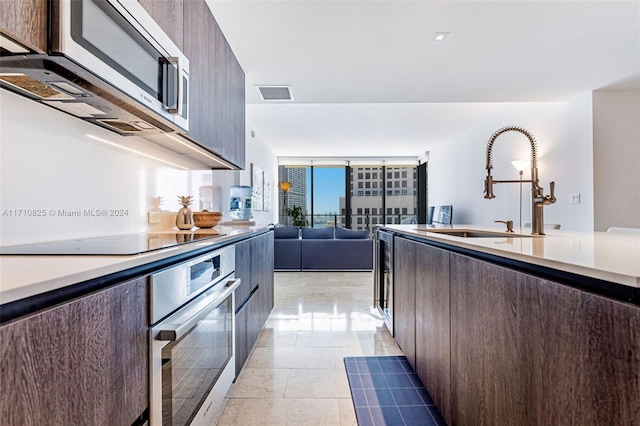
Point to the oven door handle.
(173, 332)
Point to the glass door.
(192, 365)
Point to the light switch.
(153, 218)
(574, 198)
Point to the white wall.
(616, 147)
(49, 164)
(564, 136)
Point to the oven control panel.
(178, 284)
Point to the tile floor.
(295, 374)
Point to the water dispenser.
(240, 207)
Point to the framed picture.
(257, 176)
(266, 192)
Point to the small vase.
(184, 218)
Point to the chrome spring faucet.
(537, 193)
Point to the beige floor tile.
(304, 323)
(335, 338)
(318, 383)
(276, 337)
(254, 412)
(312, 412)
(347, 412)
(291, 357)
(295, 374)
(260, 383)
(377, 350)
(354, 324)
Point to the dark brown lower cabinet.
(246, 334)
(254, 266)
(421, 315)
(494, 346)
(404, 309)
(433, 333)
(528, 351)
(84, 362)
(264, 268)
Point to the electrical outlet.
(153, 218)
(574, 198)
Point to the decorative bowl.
(205, 219)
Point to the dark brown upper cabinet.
(217, 91)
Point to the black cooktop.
(113, 245)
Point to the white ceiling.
(368, 80)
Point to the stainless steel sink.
(469, 233)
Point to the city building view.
(376, 195)
(368, 188)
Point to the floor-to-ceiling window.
(292, 185)
(327, 190)
(401, 192)
(383, 195)
(354, 196)
(367, 196)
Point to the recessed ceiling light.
(440, 36)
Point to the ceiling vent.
(275, 93)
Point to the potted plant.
(297, 216)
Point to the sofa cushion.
(318, 233)
(286, 232)
(287, 254)
(337, 254)
(350, 234)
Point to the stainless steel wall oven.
(192, 339)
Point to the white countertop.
(606, 256)
(24, 276)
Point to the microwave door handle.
(174, 332)
(177, 61)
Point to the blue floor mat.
(386, 391)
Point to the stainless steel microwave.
(93, 42)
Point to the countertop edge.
(609, 284)
(23, 300)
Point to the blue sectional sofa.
(322, 249)
(287, 247)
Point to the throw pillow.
(350, 234)
(286, 232)
(318, 233)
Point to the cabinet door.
(529, 351)
(216, 93)
(254, 265)
(25, 20)
(433, 334)
(242, 352)
(169, 15)
(84, 362)
(264, 274)
(492, 344)
(244, 269)
(404, 282)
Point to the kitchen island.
(523, 330)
